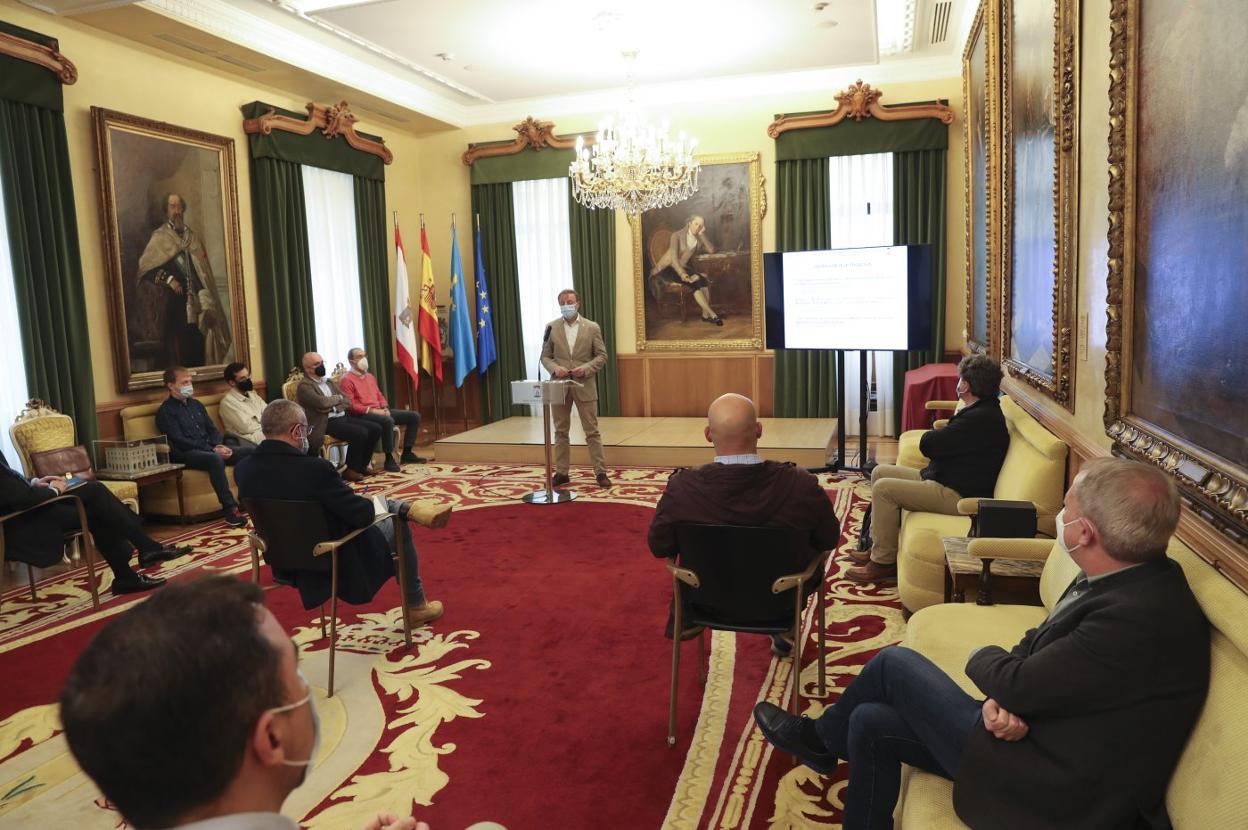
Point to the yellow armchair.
(199, 499)
(40, 427)
(908, 454)
(330, 445)
(1034, 470)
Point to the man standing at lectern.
(573, 349)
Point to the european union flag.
(487, 351)
(462, 341)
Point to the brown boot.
(426, 613)
(860, 557)
(872, 572)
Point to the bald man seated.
(740, 488)
(327, 411)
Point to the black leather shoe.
(148, 558)
(233, 517)
(602, 480)
(786, 733)
(135, 583)
(559, 479)
(411, 458)
(392, 466)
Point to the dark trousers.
(410, 421)
(115, 530)
(214, 465)
(361, 435)
(902, 708)
(415, 594)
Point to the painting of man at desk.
(697, 264)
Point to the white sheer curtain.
(329, 202)
(861, 208)
(543, 258)
(13, 392)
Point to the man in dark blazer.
(280, 468)
(966, 456)
(328, 412)
(38, 537)
(1080, 724)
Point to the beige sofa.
(1210, 786)
(1034, 470)
(199, 499)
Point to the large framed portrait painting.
(169, 207)
(697, 265)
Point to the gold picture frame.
(1146, 415)
(1040, 191)
(731, 201)
(175, 279)
(981, 141)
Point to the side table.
(963, 570)
(151, 475)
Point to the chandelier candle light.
(633, 166)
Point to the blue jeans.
(902, 708)
(415, 594)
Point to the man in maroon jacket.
(740, 488)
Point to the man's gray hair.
(351, 352)
(1134, 506)
(279, 416)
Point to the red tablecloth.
(933, 382)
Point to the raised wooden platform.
(639, 442)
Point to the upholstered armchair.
(40, 427)
(908, 454)
(669, 293)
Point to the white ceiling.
(486, 61)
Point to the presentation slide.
(854, 298)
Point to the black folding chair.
(746, 579)
(293, 536)
(83, 534)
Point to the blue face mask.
(568, 311)
(187, 391)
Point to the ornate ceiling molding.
(331, 119)
(860, 101)
(530, 133)
(36, 53)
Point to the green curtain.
(593, 278)
(374, 257)
(47, 265)
(492, 202)
(283, 268)
(805, 379)
(919, 183)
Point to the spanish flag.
(427, 317)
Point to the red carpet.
(539, 700)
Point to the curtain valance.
(32, 69)
(870, 135)
(331, 150)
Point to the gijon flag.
(427, 318)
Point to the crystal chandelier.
(632, 166)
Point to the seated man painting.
(364, 399)
(1080, 725)
(38, 537)
(281, 468)
(195, 441)
(966, 456)
(740, 488)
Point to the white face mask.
(316, 723)
(962, 389)
(1061, 531)
(362, 364)
(186, 391)
(568, 311)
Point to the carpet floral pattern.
(539, 700)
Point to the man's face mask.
(316, 723)
(186, 390)
(320, 369)
(362, 364)
(1062, 524)
(245, 385)
(568, 311)
(301, 432)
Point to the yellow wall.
(721, 127)
(118, 74)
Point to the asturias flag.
(463, 344)
(487, 352)
(404, 328)
(427, 318)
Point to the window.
(13, 390)
(329, 203)
(543, 258)
(861, 208)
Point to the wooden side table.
(152, 475)
(963, 570)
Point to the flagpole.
(489, 404)
(437, 402)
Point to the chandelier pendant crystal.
(633, 166)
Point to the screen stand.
(865, 466)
